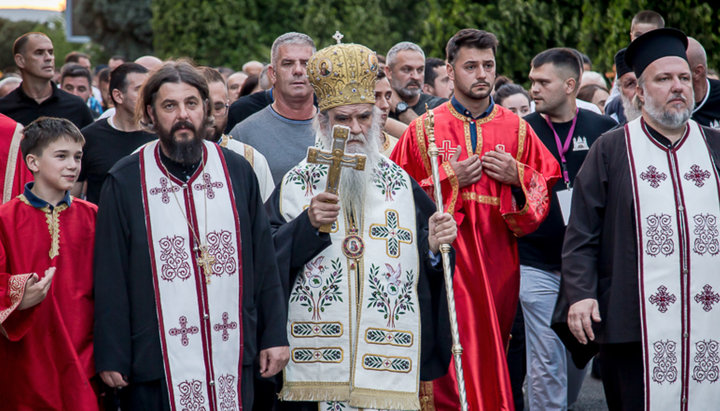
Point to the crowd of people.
(175, 236)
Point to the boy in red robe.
(46, 301)
(494, 175)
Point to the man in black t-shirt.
(406, 71)
(707, 91)
(37, 95)
(568, 132)
(110, 139)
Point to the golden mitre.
(343, 74)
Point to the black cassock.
(126, 326)
(297, 242)
(599, 257)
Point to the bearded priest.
(367, 313)
(186, 299)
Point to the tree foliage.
(119, 26)
(225, 32)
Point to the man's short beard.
(353, 182)
(630, 108)
(479, 96)
(184, 152)
(405, 92)
(668, 119)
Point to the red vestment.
(46, 351)
(487, 277)
(13, 171)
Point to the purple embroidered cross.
(183, 331)
(164, 189)
(697, 175)
(208, 186)
(653, 176)
(662, 299)
(225, 326)
(707, 298)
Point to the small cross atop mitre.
(338, 36)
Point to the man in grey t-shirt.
(283, 131)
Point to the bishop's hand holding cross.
(336, 158)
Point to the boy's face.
(58, 166)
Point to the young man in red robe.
(12, 168)
(495, 175)
(46, 300)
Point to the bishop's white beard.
(353, 183)
(630, 108)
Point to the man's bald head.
(235, 82)
(696, 53)
(20, 42)
(149, 62)
(253, 67)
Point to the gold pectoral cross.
(336, 159)
(206, 261)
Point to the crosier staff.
(445, 251)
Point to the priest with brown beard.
(186, 296)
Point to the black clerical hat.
(621, 66)
(653, 45)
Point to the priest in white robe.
(367, 317)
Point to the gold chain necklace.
(204, 258)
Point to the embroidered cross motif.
(662, 299)
(446, 150)
(697, 175)
(183, 331)
(392, 233)
(208, 186)
(225, 326)
(653, 176)
(165, 190)
(707, 298)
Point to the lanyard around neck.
(564, 147)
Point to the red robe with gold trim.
(46, 351)
(487, 273)
(13, 171)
